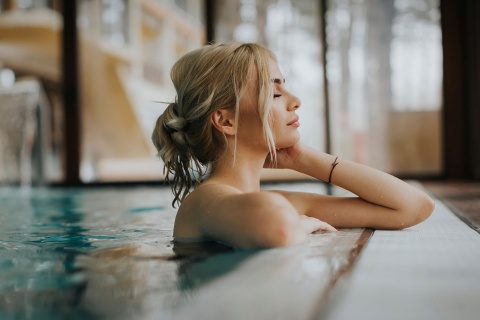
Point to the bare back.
(195, 208)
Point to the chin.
(288, 141)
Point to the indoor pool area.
(357, 113)
(107, 253)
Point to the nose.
(294, 103)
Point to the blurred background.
(389, 83)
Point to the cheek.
(276, 121)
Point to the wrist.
(317, 164)
(334, 164)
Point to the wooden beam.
(210, 20)
(323, 34)
(70, 84)
(472, 49)
(461, 84)
(454, 115)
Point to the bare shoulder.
(196, 205)
(224, 213)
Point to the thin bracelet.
(334, 164)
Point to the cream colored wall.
(415, 140)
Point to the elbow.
(418, 211)
(284, 234)
(428, 207)
(285, 229)
(423, 209)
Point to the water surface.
(107, 253)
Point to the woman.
(233, 116)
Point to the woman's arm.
(384, 201)
(251, 220)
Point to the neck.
(242, 173)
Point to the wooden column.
(461, 65)
(472, 42)
(70, 86)
(210, 20)
(323, 34)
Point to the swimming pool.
(107, 253)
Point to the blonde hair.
(206, 80)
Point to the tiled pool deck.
(430, 271)
(106, 253)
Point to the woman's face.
(282, 117)
(284, 122)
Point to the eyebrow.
(278, 80)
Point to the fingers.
(311, 224)
(325, 226)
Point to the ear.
(224, 121)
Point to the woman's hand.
(310, 224)
(287, 158)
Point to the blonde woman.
(233, 116)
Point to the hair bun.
(178, 124)
(172, 122)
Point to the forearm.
(369, 184)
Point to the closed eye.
(277, 95)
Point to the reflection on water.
(75, 252)
(202, 262)
(129, 281)
(108, 253)
(45, 233)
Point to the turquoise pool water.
(107, 253)
(82, 253)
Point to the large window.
(384, 71)
(127, 49)
(291, 29)
(384, 68)
(31, 110)
(383, 77)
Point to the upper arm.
(355, 212)
(258, 219)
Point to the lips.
(294, 122)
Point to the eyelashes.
(276, 95)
